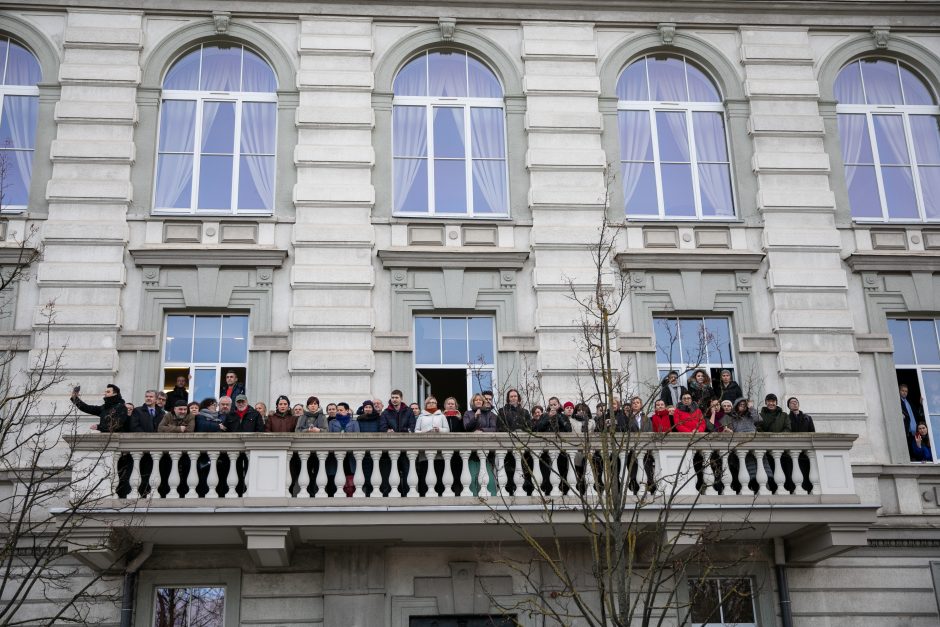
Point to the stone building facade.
(337, 278)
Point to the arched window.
(888, 125)
(19, 104)
(449, 138)
(218, 131)
(674, 159)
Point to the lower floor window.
(722, 601)
(189, 607)
(917, 363)
(202, 350)
(454, 356)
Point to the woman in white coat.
(431, 419)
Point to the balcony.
(270, 491)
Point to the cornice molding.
(229, 257)
(464, 257)
(14, 255)
(689, 260)
(893, 262)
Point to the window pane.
(901, 338)
(480, 331)
(409, 131)
(204, 384)
(412, 80)
(481, 380)
(483, 83)
(490, 189)
(185, 73)
(16, 176)
(489, 136)
(701, 88)
(715, 190)
(890, 139)
(632, 84)
(737, 605)
(635, 137)
(454, 331)
(667, 340)
(177, 125)
(932, 394)
(256, 183)
(221, 68)
(882, 84)
(916, 91)
(677, 190)
(234, 339)
(863, 191)
(703, 596)
(449, 132)
(257, 75)
(427, 340)
(207, 607)
(667, 79)
(258, 128)
(639, 189)
(208, 339)
(848, 86)
(856, 142)
(692, 336)
(411, 185)
(708, 129)
(179, 339)
(447, 74)
(899, 192)
(925, 342)
(930, 191)
(215, 182)
(174, 182)
(450, 186)
(170, 608)
(673, 136)
(718, 335)
(925, 130)
(22, 66)
(218, 127)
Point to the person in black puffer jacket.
(513, 416)
(112, 414)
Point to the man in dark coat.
(231, 387)
(178, 393)
(112, 414)
(672, 389)
(397, 417)
(244, 418)
(146, 418)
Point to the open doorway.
(443, 382)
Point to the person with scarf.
(431, 419)
(208, 419)
(112, 414)
(713, 416)
(742, 418)
(244, 418)
(700, 387)
(344, 421)
(367, 417)
(661, 418)
(313, 419)
(453, 415)
(282, 420)
(687, 416)
(480, 417)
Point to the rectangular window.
(917, 363)
(202, 348)
(685, 344)
(720, 601)
(189, 607)
(454, 356)
(18, 111)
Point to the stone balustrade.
(317, 468)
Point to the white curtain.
(882, 83)
(22, 67)
(221, 68)
(488, 139)
(20, 116)
(185, 73)
(848, 86)
(257, 148)
(410, 132)
(257, 75)
(447, 74)
(709, 132)
(634, 149)
(175, 172)
(926, 134)
(853, 133)
(667, 79)
(632, 84)
(892, 144)
(412, 80)
(482, 82)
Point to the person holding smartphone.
(112, 413)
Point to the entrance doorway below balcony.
(463, 620)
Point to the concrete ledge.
(239, 257)
(478, 257)
(689, 260)
(894, 262)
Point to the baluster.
(483, 477)
(359, 477)
(153, 479)
(642, 482)
(465, 478)
(135, 476)
(212, 480)
(412, 473)
(744, 477)
(555, 477)
(393, 477)
(761, 473)
(518, 479)
(430, 475)
(537, 473)
(571, 479)
(231, 480)
(623, 471)
(184, 482)
(708, 474)
(779, 477)
(174, 478)
(448, 473)
(303, 478)
(116, 477)
(797, 474)
(725, 473)
(321, 475)
(589, 489)
(813, 472)
(501, 476)
(375, 456)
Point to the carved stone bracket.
(881, 35)
(743, 280)
(507, 278)
(448, 25)
(637, 280)
(667, 32)
(399, 277)
(872, 282)
(221, 19)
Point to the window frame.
(19, 90)
(157, 588)
(201, 98)
(150, 580)
(469, 367)
(755, 608)
(467, 103)
(904, 111)
(920, 368)
(651, 107)
(685, 370)
(192, 366)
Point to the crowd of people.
(700, 407)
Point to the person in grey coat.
(313, 420)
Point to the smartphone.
(76, 389)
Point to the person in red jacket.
(662, 422)
(687, 416)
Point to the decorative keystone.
(881, 34)
(448, 26)
(667, 32)
(221, 19)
